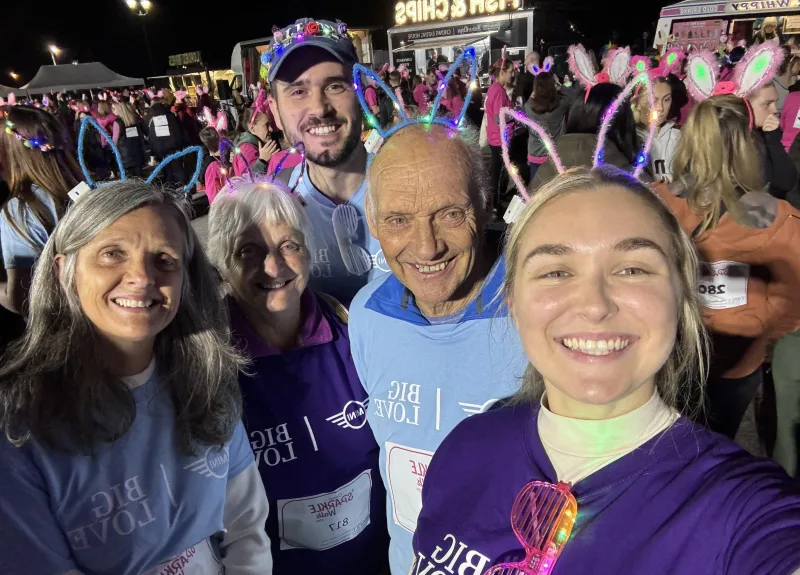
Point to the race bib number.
(723, 285)
(131, 132)
(160, 121)
(197, 560)
(162, 131)
(406, 468)
(324, 521)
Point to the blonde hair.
(103, 108)
(717, 160)
(124, 112)
(681, 379)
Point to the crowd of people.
(351, 374)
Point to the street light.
(54, 51)
(141, 8)
(14, 76)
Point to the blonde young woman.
(749, 247)
(129, 139)
(601, 283)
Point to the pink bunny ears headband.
(668, 64)
(616, 70)
(218, 122)
(756, 68)
(201, 89)
(260, 105)
(12, 100)
(251, 178)
(608, 118)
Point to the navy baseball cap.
(330, 36)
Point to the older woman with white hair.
(593, 469)
(123, 450)
(305, 410)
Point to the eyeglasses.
(542, 518)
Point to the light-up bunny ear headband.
(548, 64)
(406, 120)
(608, 118)
(756, 68)
(617, 67)
(89, 121)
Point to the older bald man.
(432, 341)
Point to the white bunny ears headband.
(614, 61)
(756, 68)
(616, 70)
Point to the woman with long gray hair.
(595, 457)
(123, 451)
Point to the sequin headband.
(757, 68)
(89, 121)
(406, 120)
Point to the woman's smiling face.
(595, 300)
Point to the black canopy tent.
(77, 77)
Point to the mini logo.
(353, 416)
(474, 408)
(379, 261)
(213, 464)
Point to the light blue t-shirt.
(137, 503)
(345, 256)
(18, 251)
(422, 380)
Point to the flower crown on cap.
(608, 118)
(406, 120)
(294, 33)
(89, 121)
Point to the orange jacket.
(751, 304)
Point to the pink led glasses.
(542, 518)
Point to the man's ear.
(273, 105)
(369, 209)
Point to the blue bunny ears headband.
(406, 120)
(89, 121)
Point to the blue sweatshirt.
(344, 255)
(422, 380)
(137, 503)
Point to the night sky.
(107, 31)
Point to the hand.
(266, 151)
(771, 123)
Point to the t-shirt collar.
(315, 329)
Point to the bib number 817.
(338, 525)
(712, 289)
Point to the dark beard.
(331, 158)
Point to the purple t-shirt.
(305, 415)
(688, 501)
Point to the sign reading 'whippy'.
(416, 11)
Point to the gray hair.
(470, 140)
(243, 205)
(680, 382)
(57, 388)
